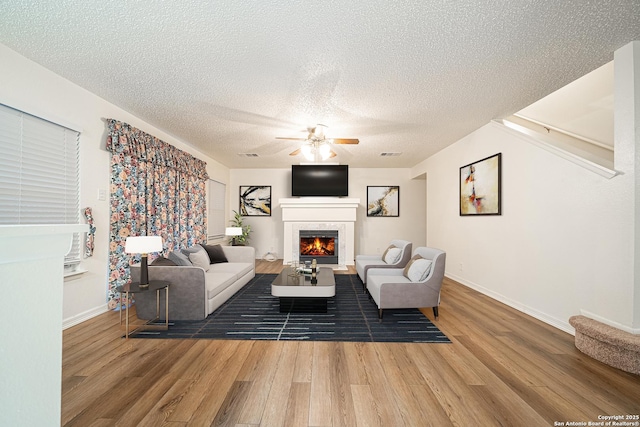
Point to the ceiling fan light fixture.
(325, 151)
(316, 146)
(308, 151)
(318, 131)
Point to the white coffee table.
(298, 294)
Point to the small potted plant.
(242, 239)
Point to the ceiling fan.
(317, 145)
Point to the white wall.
(562, 243)
(372, 234)
(31, 88)
(627, 152)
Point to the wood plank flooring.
(503, 368)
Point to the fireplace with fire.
(321, 245)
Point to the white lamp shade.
(233, 231)
(143, 244)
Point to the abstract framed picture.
(383, 200)
(480, 187)
(255, 200)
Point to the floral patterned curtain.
(156, 190)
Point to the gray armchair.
(390, 288)
(365, 262)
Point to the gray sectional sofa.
(200, 280)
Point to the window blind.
(217, 196)
(39, 174)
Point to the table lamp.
(233, 231)
(143, 245)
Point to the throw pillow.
(200, 259)
(192, 249)
(417, 269)
(179, 258)
(392, 255)
(162, 261)
(216, 253)
(386, 251)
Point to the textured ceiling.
(402, 76)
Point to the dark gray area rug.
(253, 314)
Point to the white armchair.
(390, 288)
(365, 262)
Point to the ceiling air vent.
(247, 155)
(389, 154)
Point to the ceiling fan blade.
(345, 141)
(295, 153)
(291, 139)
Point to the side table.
(134, 288)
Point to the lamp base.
(144, 273)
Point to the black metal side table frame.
(133, 288)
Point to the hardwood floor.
(503, 368)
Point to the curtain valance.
(127, 140)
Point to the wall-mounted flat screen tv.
(320, 180)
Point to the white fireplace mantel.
(31, 268)
(319, 209)
(320, 213)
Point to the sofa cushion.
(239, 269)
(392, 255)
(362, 263)
(200, 259)
(375, 282)
(216, 282)
(417, 269)
(179, 258)
(162, 261)
(216, 254)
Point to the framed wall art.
(383, 200)
(480, 187)
(255, 200)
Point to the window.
(217, 196)
(39, 174)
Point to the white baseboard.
(79, 318)
(549, 320)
